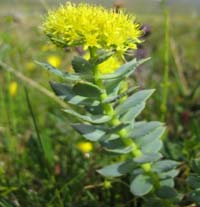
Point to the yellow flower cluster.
(85, 147)
(54, 60)
(91, 26)
(108, 66)
(13, 88)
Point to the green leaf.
(195, 196)
(124, 71)
(90, 132)
(101, 57)
(67, 94)
(95, 109)
(124, 150)
(116, 146)
(113, 98)
(80, 65)
(194, 181)
(136, 99)
(167, 182)
(132, 113)
(141, 185)
(117, 128)
(66, 76)
(143, 128)
(57, 41)
(117, 169)
(112, 87)
(196, 165)
(169, 174)
(148, 158)
(154, 146)
(87, 89)
(150, 137)
(112, 142)
(48, 148)
(166, 192)
(96, 119)
(164, 166)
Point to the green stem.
(166, 67)
(109, 110)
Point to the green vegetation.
(43, 162)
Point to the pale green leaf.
(96, 119)
(134, 100)
(90, 132)
(148, 158)
(141, 185)
(117, 169)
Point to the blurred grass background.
(40, 163)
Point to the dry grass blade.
(33, 84)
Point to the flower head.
(91, 26)
(54, 60)
(13, 88)
(108, 66)
(30, 66)
(85, 147)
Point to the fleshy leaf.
(101, 57)
(64, 75)
(164, 165)
(143, 128)
(169, 174)
(66, 93)
(132, 113)
(96, 119)
(154, 146)
(117, 169)
(87, 89)
(90, 132)
(166, 192)
(124, 71)
(113, 98)
(148, 158)
(167, 182)
(150, 137)
(134, 100)
(141, 185)
(116, 146)
(80, 65)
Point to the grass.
(40, 162)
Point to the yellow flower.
(91, 26)
(54, 61)
(108, 66)
(30, 66)
(13, 88)
(85, 147)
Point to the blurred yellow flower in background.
(108, 66)
(85, 147)
(13, 88)
(30, 66)
(54, 60)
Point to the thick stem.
(109, 110)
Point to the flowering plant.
(110, 112)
